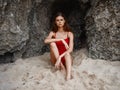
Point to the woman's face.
(60, 21)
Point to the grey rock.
(102, 25)
(24, 24)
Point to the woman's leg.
(68, 62)
(52, 56)
(53, 52)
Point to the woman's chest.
(61, 35)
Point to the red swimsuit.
(61, 48)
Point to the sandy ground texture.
(37, 73)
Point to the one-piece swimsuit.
(61, 48)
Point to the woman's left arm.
(71, 44)
(69, 50)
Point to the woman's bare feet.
(68, 77)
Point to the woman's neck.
(61, 29)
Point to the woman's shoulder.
(70, 33)
(52, 33)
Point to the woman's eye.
(57, 20)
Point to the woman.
(61, 44)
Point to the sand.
(37, 73)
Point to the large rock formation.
(103, 29)
(24, 24)
(14, 31)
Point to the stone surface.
(103, 30)
(24, 24)
(39, 26)
(14, 31)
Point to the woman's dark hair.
(65, 27)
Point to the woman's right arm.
(49, 38)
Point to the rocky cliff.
(24, 24)
(103, 29)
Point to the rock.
(103, 31)
(13, 27)
(24, 24)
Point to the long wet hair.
(66, 27)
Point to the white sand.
(37, 73)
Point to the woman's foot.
(68, 77)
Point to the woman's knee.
(52, 45)
(67, 55)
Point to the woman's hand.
(57, 64)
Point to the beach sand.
(37, 73)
